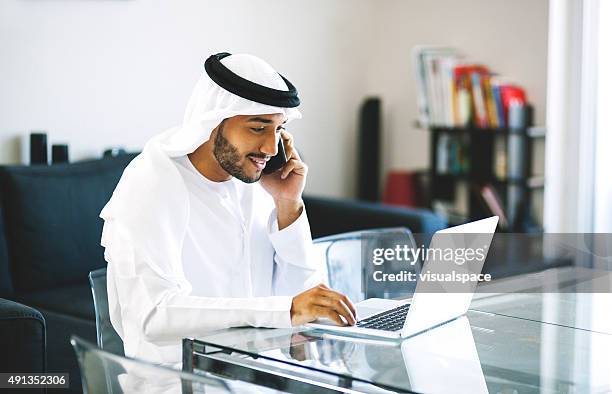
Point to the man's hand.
(287, 184)
(321, 301)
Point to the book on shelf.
(451, 155)
(442, 154)
(433, 67)
(452, 92)
(493, 204)
(500, 158)
(497, 100)
(478, 76)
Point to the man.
(197, 239)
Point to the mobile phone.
(276, 162)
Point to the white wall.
(101, 73)
(115, 72)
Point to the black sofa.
(329, 216)
(50, 240)
(22, 340)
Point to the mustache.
(262, 156)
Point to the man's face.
(244, 143)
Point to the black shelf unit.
(479, 148)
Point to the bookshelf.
(481, 140)
(475, 159)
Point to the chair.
(107, 337)
(107, 373)
(348, 258)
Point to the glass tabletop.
(569, 296)
(481, 352)
(557, 341)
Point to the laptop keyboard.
(391, 320)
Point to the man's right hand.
(321, 301)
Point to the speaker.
(59, 154)
(114, 151)
(368, 157)
(38, 148)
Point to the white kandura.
(187, 255)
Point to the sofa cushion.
(329, 216)
(74, 300)
(51, 220)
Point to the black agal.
(244, 88)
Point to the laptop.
(392, 319)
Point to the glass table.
(550, 342)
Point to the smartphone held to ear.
(276, 162)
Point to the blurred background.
(112, 73)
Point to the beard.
(228, 157)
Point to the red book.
(468, 78)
